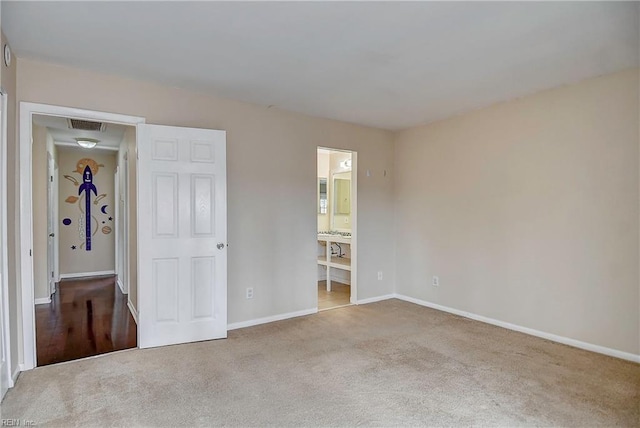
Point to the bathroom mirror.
(342, 196)
(322, 195)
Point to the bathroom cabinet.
(333, 261)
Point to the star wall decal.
(110, 218)
(73, 247)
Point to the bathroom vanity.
(327, 257)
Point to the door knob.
(52, 235)
(220, 245)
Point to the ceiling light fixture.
(87, 143)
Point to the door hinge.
(29, 253)
(51, 274)
(51, 178)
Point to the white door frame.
(52, 219)
(354, 227)
(123, 203)
(4, 264)
(25, 242)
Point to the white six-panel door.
(182, 235)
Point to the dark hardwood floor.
(86, 317)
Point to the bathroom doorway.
(337, 226)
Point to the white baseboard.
(86, 274)
(16, 373)
(553, 337)
(258, 321)
(375, 299)
(121, 285)
(43, 301)
(133, 311)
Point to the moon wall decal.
(104, 209)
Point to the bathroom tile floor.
(338, 296)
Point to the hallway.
(86, 317)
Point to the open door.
(52, 215)
(182, 235)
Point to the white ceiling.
(59, 129)
(385, 64)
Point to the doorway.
(36, 227)
(337, 226)
(82, 307)
(177, 184)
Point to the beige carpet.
(384, 364)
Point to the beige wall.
(9, 84)
(271, 228)
(528, 212)
(74, 258)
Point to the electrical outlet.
(250, 293)
(435, 281)
(379, 275)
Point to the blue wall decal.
(88, 222)
(87, 187)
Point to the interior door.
(51, 223)
(182, 233)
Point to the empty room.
(320, 213)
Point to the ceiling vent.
(86, 125)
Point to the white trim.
(121, 286)
(4, 261)
(353, 277)
(25, 241)
(87, 274)
(265, 320)
(553, 337)
(16, 373)
(375, 299)
(133, 311)
(43, 301)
